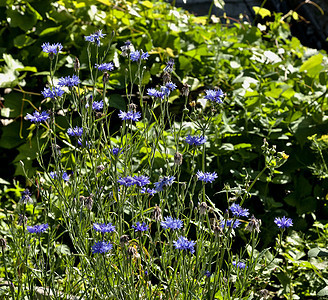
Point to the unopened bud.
(76, 64)
(185, 89)
(3, 244)
(124, 239)
(105, 78)
(202, 208)
(178, 158)
(157, 213)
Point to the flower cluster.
(69, 81)
(77, 131)
(26, 197)
(37, 228)
(183, 244)
(195, 140)
(130, 115)
(283, 222)
(163, 182)
(53, 92)
(51, 49)
(103, 228)
(105, 67)
(140, 227)
(137, 55)
(38, 117)
(101, 247)
(206, 177)
(170, 223)
(215, 96)
(238, 211)
(229, 223)
(164, 91)
(95, 37)
(135, 180)
(98, 105)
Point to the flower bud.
(178, 158)
(157, 213)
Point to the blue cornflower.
(229, 223)
(54, 48)
(207, 274)
(155, 93)
(126, 181)
(77, 131)
(65, 177)
(53, 174)
(195, 140)
(207, 176)
(37, 228)
(130, 115)
(171, 86)
(98, 105)
(82, 143)
(169, 66)
(238, 211)
(183, 244)
(95, 37)
(105, 67)
(101, 247)
(103, 228)
(52, 92)
(215, 96)
(135, 55)
(69, 81)
(26, 197)
(164, 91)
(140, 227)
(141, 180)
(117, 151)
(170, 223)
(163, 182)
(37, 117)
(149, 191)
(283, 222)
(240, 264)
(144, 55)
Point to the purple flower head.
(26, 197)
(105, 67)
(54, 48)
(117, 151)
(144, 55)
(140, 227)
(283, 222)
(238, 211)
(130, 115)
(215, 96)
(95, 37)
(165, 91)
(53, 174)
(37, 117)
(164, 182)
(101, 247)
(183, 244)
(195, 140)
(65, 177)
(169, 66)
(240, 264)
(207, 176)
(103, 228)
(69, 81)
(229, 223)
(135, 55)
(82, 143)
(135, 180)
(155, 93)
(77, 131)
(207, 274)
(98, 105)
(37, 228)
(149, 191)
(170, 223)
(171, 86)
(52, 92)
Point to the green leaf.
(263, 12)
(219, 3)
(22, 41)
(313, 65)
(50, 30)
(323, 292)
(117, 101)
(318, 252)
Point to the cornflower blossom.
(240, 264)
(207, 176)
(140, 227)
(103, 228)
(163, 182)
(283, 222)
(149, 191)
(152, 92)
(169, 66)
(82, 143)
(38, 117)
(183, 244)
(69, 81)
(98, 105)
(53, 174)
(65, 177)
(196, 140)
(77, 131)
(51, 49)
(215, 96)
(117, 151)
(101, 247)
(144, 55)
(170, 223)
(238, 211)
(38, 228)
(105, 67)
(135, 180)
(229, 223)
(52, 92)
(26, 197)
(171, 86)
(207, 274)
(130, 115)
(126, 48)
(95, 37)
(135, 55)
